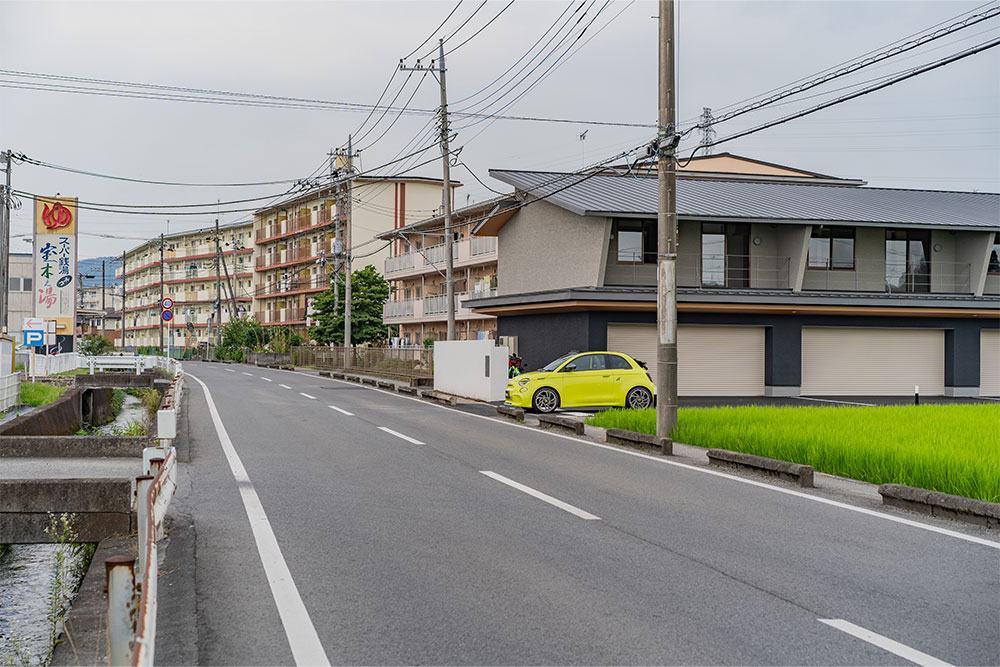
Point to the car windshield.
(555, 364)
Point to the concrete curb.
(620, 436)
(792, 472)
(407, 389)
(324, 374)
(369, 381)
(384, 384)
(570, 424)
(440, 398)
(940, 504)
(517, 414)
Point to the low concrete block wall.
(792, 472)
(123, 380)
(77, 446)
(103, 507)
(940, 504)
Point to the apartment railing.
(483, 245)
(933, 278)
(400, 263)
(434, 255)
(393, 309)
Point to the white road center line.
(341, 410)
(267, 379)
(576, 511)
(299, 629)
(230, 370)
(307, 395)
(284, 386)
(398, 434)
(902, 650)
(245, 373)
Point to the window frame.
(647, 233)
(994, 269)
(831, 231)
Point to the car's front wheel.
(639, 398)
(545, 399)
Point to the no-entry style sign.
(167, 315)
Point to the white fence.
(10, 391)
(45, 365)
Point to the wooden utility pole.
(666, 247)
(449, 235)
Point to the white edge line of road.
(399, 435)
(299, 629)
(705, 471)
(341, 410)
(576, 511)
(884, 643)
(827, 400)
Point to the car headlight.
(523, 382)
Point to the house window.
(907, 260)
(725, 254)
(994, 256)
(636, 243)
(831, 248)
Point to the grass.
(36, 393)
(949, 448)
(75, 371)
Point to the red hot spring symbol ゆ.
(57, 216)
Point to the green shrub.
(95, 345)
(117, 401)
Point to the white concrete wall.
(460, 368)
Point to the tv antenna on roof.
(583, 137)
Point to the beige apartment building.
(189, 278)
(297, 242)
(416, 271)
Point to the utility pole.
(666, 247)
(229, 283)
(449, 236)
(344, 197)
(5, 245)
(161, 291)
(218, 286)
(104, 302)
(123, 302)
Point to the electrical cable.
(398, 116)
(457, 30)
(485, 26)
(435, 31)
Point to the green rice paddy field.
(949, 448)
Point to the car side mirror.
(569, 367)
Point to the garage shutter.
(712, 361)
(989, 362)
(872, 362)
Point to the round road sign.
(167, 315)
(167, 304)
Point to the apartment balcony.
(278, 258)
(291, 286)
(432, 308)
(932, 278)
(468, 252)
(296, 223)
(282, 316)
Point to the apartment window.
(907, 260)
(831, 248)
(636, 243)
(994, 257)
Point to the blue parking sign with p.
(34, 338)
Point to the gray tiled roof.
(614, 195)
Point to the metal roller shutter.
(712, 361)
(989, 362)
(857, 362)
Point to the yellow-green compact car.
(588, 379)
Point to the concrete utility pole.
(229, 283)
(218, 287)
(123, 302)
(5, 244)
(666, 247)
(349, 187)
(104, 302)
(449, 235)
(161, 291)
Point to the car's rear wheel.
(545, 399)
(639, 398)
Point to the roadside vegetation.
(36, 393)
(948, 448)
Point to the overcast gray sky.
(940, 130)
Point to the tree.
(369, 292)
(94, 345)
(244, 332)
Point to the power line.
(485, 26)
(434, 32)
(908, 75)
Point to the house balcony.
(432, 308)
(468, 252)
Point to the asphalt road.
(443, 552)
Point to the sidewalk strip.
(299, 629)
(307, 395)
(399, 435)
(576, 511)
(902, 650)
(341, 410)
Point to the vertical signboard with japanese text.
(55, 235)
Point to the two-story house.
(789, 283)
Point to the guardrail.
(60, 363)
(132, 582)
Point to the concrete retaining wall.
(103, 507)
(123, 380)
(66, 415)
(77, 446)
